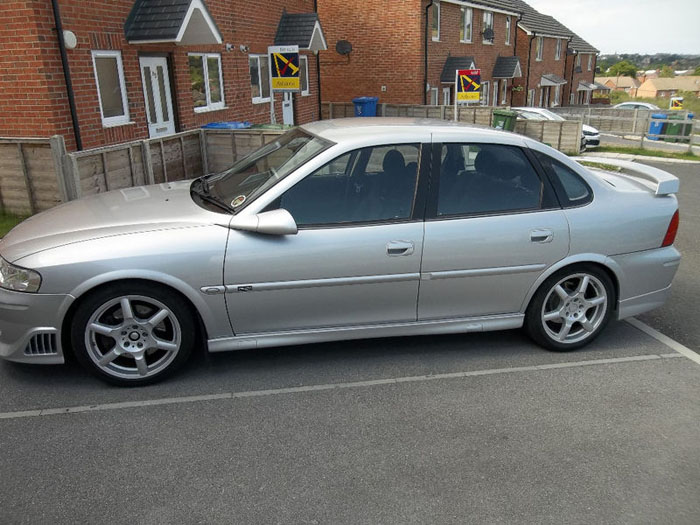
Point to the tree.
(666, 72)
(697, 71)
(624, 69)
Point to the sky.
(626, 26)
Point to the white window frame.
(211, 106)
(485, 93)
(485, 25)
(531, 98)
(557, 95)
(446, 96)
(557, 50)
(539, 48)
(508, 24)
(504, 90)
(590, 62)
(436, 7)
(434, 97)
(120, 120)
(260, 99)
(572, 97)
(541, 98)
(467, 13)
(304, 71)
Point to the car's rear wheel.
(570, 308)
(134, 334)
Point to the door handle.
(541, 236)
(399, 248)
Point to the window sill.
(436, 39)
(207, 109)
(465, 42)
(487, 43)
(261, 101)
(117, 124)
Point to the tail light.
(672, 230)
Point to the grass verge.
(647, 152)
(7, 222)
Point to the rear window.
(571, 189)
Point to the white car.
(635, 105)
(591, 135)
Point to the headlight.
(18, 279)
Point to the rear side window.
(571, 189)
(486, 179)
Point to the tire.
(571, 308)
(148, 344)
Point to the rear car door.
(356, 258)
(493, 225)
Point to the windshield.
(256, 173)
(551, 115)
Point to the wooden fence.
(31, 178)
(562, 135)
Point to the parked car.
(340, 229)
(591, 136)
(635, 105)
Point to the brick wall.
(548, 65)
(99, 25)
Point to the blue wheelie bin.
(656, 127)
(227, 125)
(365, 106)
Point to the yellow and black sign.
(468, 85)
(284, 68)
(676, 103)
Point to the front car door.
(493, 225)
(356, 258)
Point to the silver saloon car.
(341, 229)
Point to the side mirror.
(275, 222)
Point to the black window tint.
(367, 185)
(486, 178)
(572, 189)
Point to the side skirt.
(440, 326)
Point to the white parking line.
(674, 345)
(322, 387)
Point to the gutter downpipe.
(529, 59)
(515, 53)
(318, 72)
(66, 75)
(425, 49)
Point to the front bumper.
(30, 326)
(592, 141)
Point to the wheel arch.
(610, 267)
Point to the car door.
(493, 225)
(355, 260)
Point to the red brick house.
(407, 52)
(581, 60)
(130, 69)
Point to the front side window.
(487, 28)
(571, 189)
(207, 81)
(539, 48)
(436, 22)
(304, 74)
(507, 30)
(557, 50)
(368, 185)
(480, 179)
(111, 90)
(259, 78)
(255, 174)
(465, 29)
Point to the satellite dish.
(488, 34)
(343, 47)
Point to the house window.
(557, 50)
(590, 62)
(436, 22)
(487, 27)
(259, 78)
(207, 81)
(111, 90)
(507, 30)
(465, 30)
(539, 47)
(304, 74)
(578, 60)
(485, 93)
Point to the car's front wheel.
(133, 334)
(570, 308)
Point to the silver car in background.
(340, 229)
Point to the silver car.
(341, 229)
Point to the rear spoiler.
(666, 183)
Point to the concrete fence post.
(65, 179)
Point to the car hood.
(590, 129)
(118, 212)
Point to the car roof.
(353, 128)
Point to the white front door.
(288, 109)
(156, 90)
